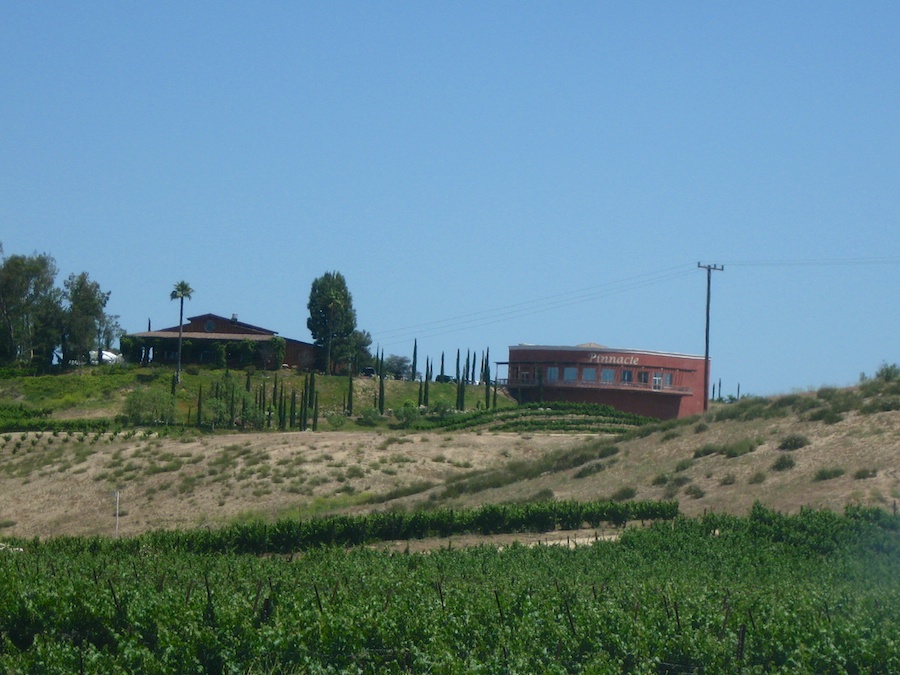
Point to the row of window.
(608, 376)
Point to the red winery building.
(655, 384)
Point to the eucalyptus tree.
(84, 318)
(181, 292)
(30, 308)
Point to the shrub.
(783, 463)
(828, 473)
(735, 449)
(826, 415)
(793, 442)
(741, 447)
(757, 478)
(623, 493)
(694, 492)
(354, 471)
(669, 435)
(406, 415)
(888, 373)
(679, 481)
(660, 479)
(727, 479)
(701, 427)
(336, 420)
(590, 470)
(684, 465)
(862, 474)
(369, 417)
(708, 449)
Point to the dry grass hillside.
(66, 483)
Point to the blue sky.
(483, 174)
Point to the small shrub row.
(730, 450)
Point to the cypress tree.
(231, 408)
(486, 376)
(421, 392)
(427, 381)
(412, 375)
(293, 408)
(199, 406)
(304, 403)
(316, 412)
(350, 394)
(457, 366)
(442, 366)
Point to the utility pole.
(709, 270)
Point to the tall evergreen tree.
(332, 319)
(486, 376)
(350, 394)
(381, 384)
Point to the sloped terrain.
(67, 482)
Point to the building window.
(607, 375)
(667, 380)
(552, 374)
(589, 375)
(643, 377)
(627, 376)
(570, 374)
(657, 380)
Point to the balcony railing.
(579, 384)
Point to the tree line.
(44, 325)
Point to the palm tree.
(181, 291)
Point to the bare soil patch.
(66, 484)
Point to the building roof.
(249, 328)
(194, 335)
(593, 347)
(247, 331)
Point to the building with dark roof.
(216, 340)
(655, 384)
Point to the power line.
(813, 262)
(489, 316)
(530, 307)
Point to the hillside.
(846, 451)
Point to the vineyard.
(766, 593)
(558, 416)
